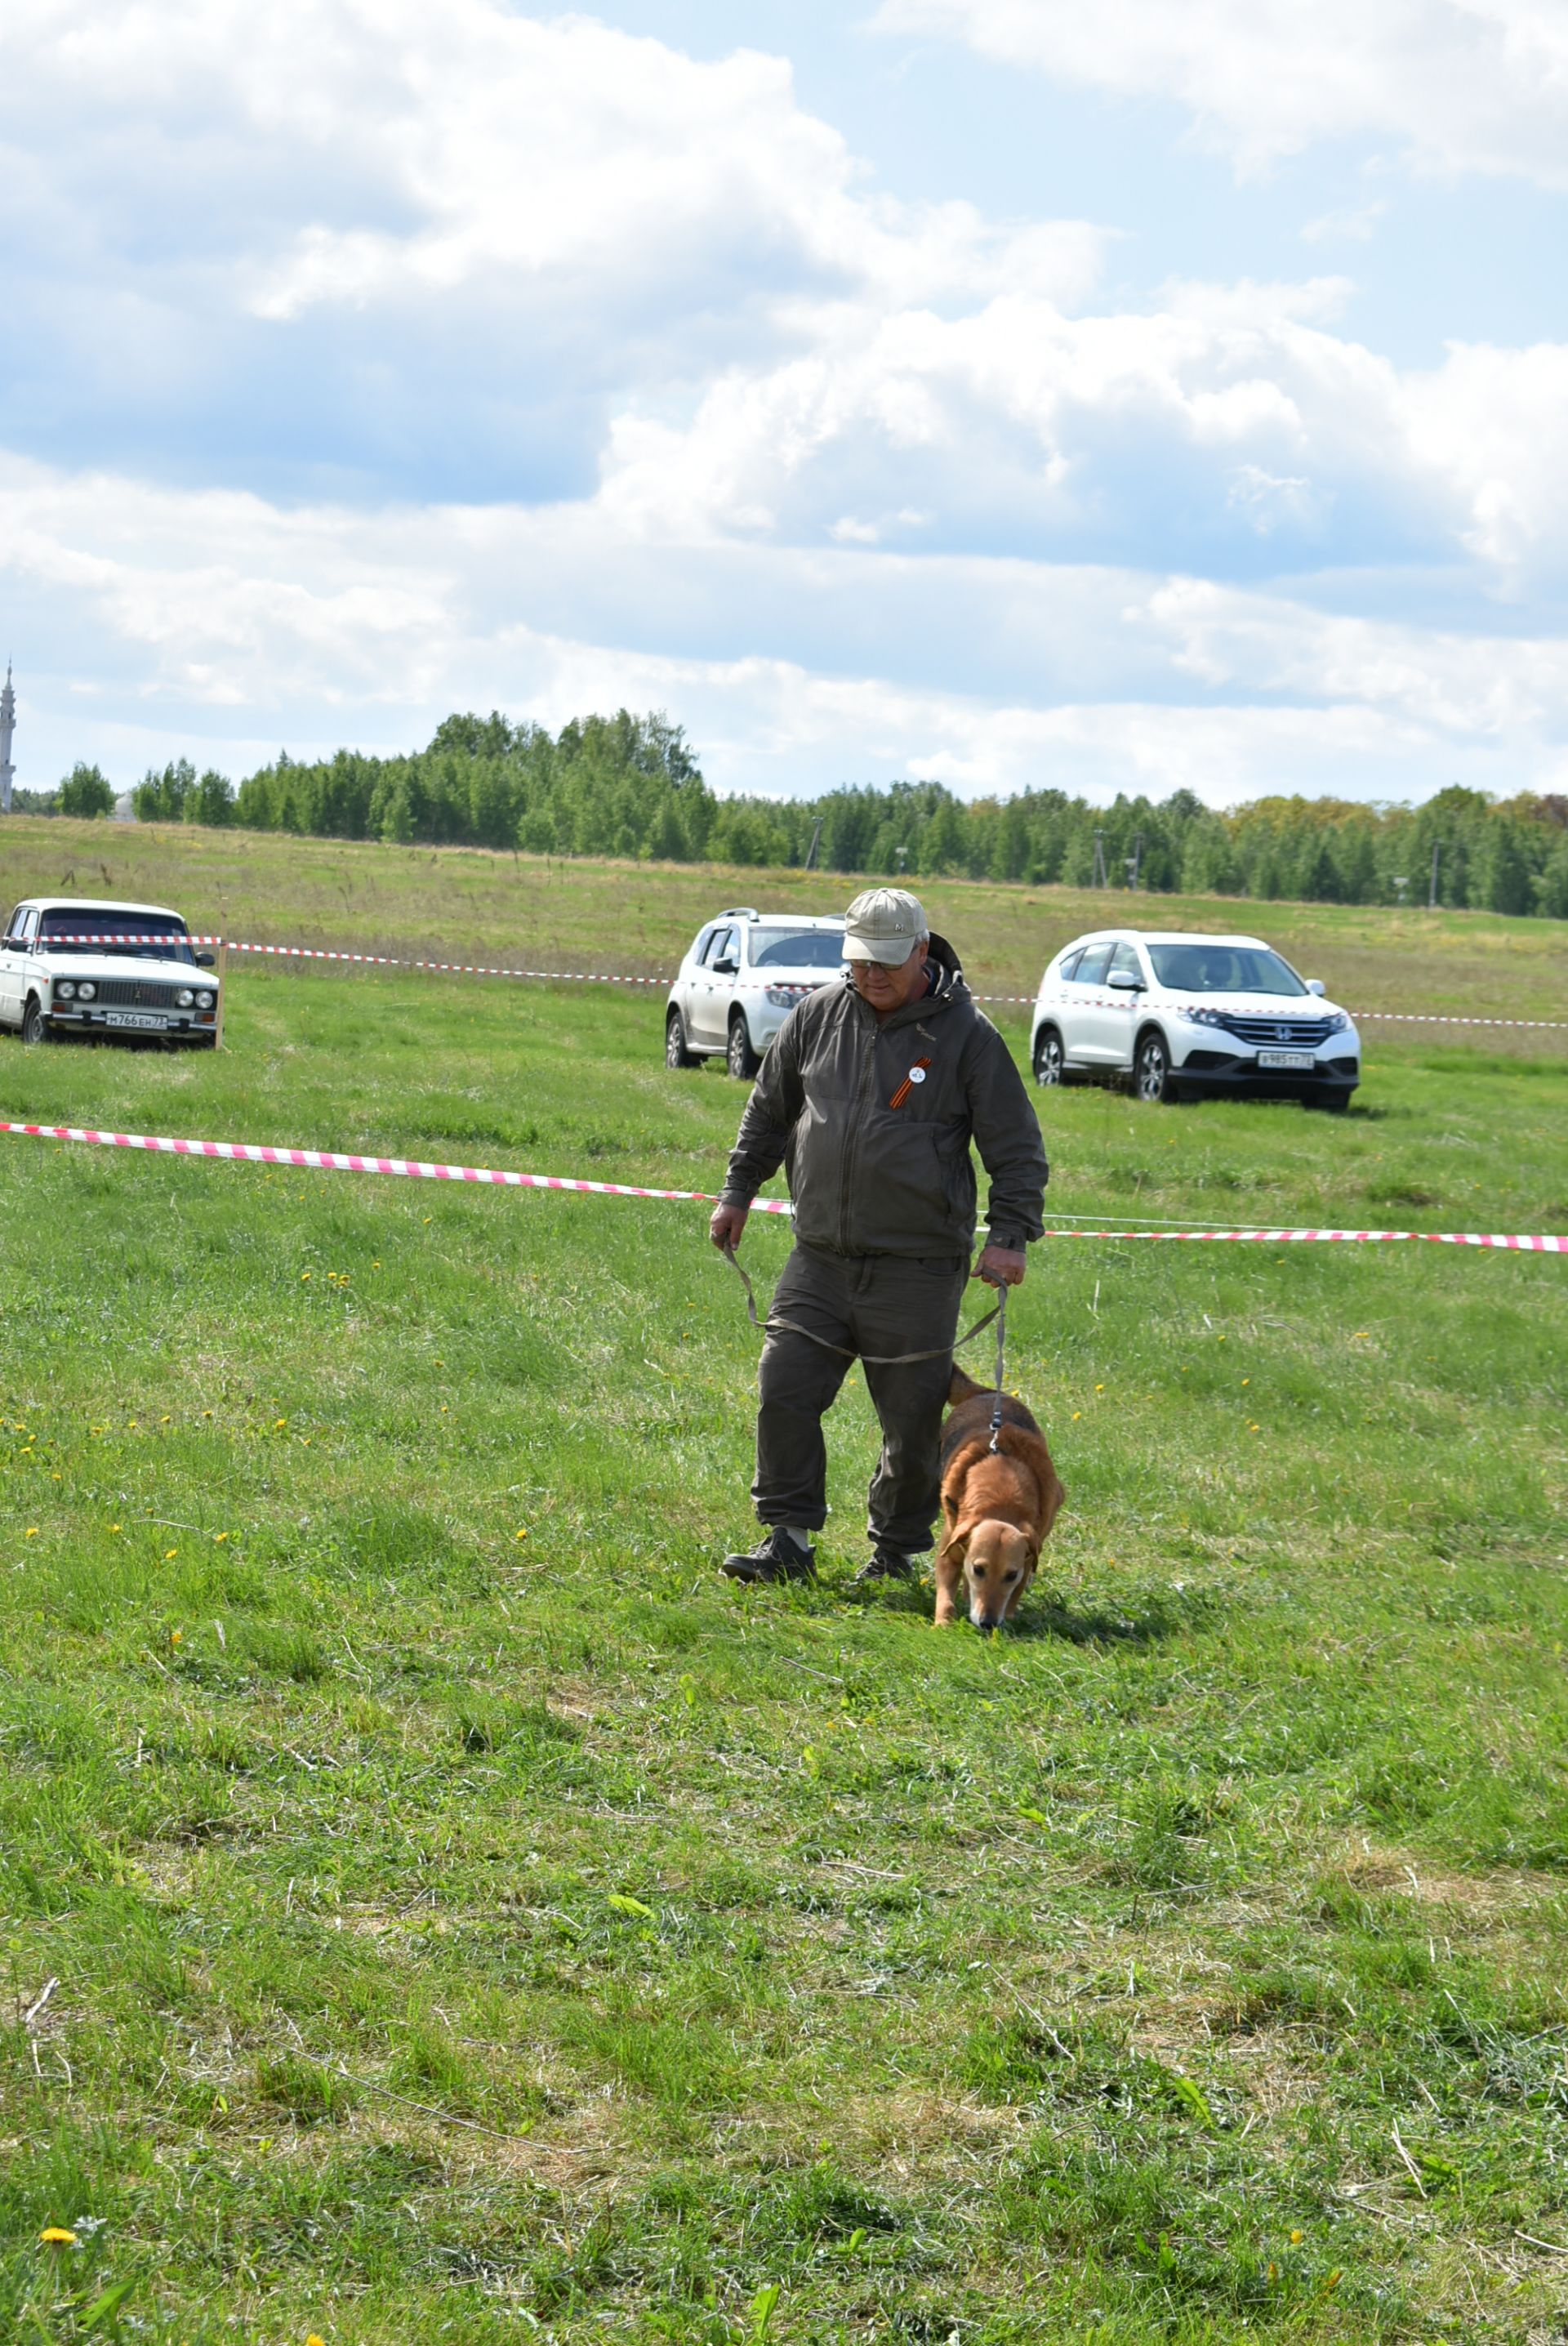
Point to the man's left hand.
(1003, 1266)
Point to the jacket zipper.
(867, 1073)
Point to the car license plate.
(133, 1018)
(1292, 1059)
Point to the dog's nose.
(985, 1625)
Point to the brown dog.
(999, 1504)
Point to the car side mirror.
(1125, 983)
(1315, 985)
(726, 968)
(205, 961)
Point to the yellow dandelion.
(1247, 1380)
(165, 1420)
(220, 1536)
(280, 1421)
(314, 2341)
(114, 1527)
(31, 1532)
(303, 1276)
(522, 1535)
(1099, 1388)
(1297, 2238)
(375, 1266)
(176, 1637)
(1077, 1413)
(58, 2237)
(169, 1554)
(430, 1217)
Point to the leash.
(1000, 1365)
(872, 1360)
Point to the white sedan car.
(1173, 1014)
(744, 974)
(79, 965)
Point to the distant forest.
(631, 786)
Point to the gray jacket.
(873, 1122)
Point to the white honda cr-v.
(1175, 1013)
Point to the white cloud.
(1356, 224)
(364, 152)
(1456, 85)
(626, 383)
(214, 610)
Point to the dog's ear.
(955, 1546)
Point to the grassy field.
(455, 903)
(469, 1918)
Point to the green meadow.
(434, 1906)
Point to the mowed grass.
(638, 919)
(470, 1918)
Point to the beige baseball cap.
(885, 924)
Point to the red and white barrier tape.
(324, 953)
(1300, 1017)
(609, 977)
(330, 1160)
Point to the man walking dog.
(869, 1098)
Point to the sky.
(1163, 393)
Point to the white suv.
(138, 974)
(1176, 1012)
(744, 974)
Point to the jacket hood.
(946, 970)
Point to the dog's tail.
(962, 1387)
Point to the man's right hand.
(728, 1225)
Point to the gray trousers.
(875, 1303)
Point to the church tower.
(7, 726)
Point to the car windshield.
(797, 948)
(1206, 968)
(116, 929)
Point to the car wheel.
(1050, 1059)
(34, 1025)
(740, 1058)
(1152, 1079)
(677, 1054)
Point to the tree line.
(632, 786)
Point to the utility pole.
(1100, 879)
(7, 726)
(1431, 896)
(1133, 862)
(810, 863)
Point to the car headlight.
(784, 998)
(87, 991)
(185, 997)
(65, 991)
(204, 1000)
(1337, 1022)
(1204, 1017)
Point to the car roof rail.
(741, 912)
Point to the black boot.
(777, 1556)
(887, 1563)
